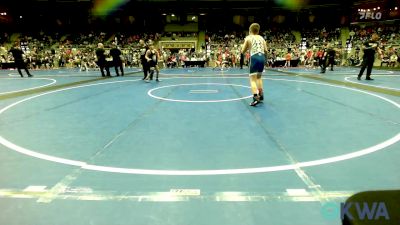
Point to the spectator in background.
(62, 60)
(393, 60)
(288, 57)
(358, 51)
(309, 59)
(84, 63)
(385, 60)
(3, 54)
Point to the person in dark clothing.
(145, 65)
(369, 48)
(18, 59)
(152, 60)
(241, 60)
(117, 62)
(322, 59)
(331, 57)
(101, 60)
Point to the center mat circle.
(292, 166)
(207, 91)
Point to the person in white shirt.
(258, 50)
(393, 60)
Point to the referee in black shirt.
(18, 59)
(145, 65)
(331, 57)
(117, 62)
(101, 60)
(369, 56)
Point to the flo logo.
(365, 15)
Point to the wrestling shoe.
(256, 101)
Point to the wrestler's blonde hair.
(254, 28)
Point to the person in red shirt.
(309, 58)
(322, 58)
(218, 62)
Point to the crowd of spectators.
(45, 51)
(390, 42)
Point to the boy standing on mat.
(152, 60)
(258, 51)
